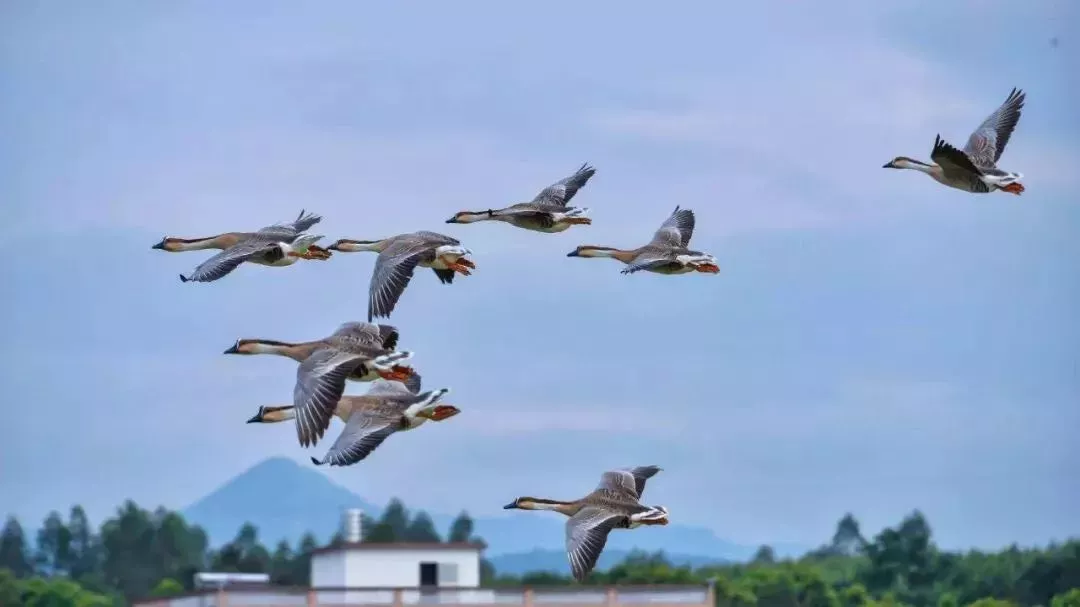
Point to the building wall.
(393, 568)
(328, 570)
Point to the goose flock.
(395, 401)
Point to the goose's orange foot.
(459, 267)
(315, 252)
(467, 263)
(396, 373)
(1014, 188)
(708, 268)
(578, 221)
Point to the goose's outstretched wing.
(286, 232)
(228, 260)
(630, 480)
(586, 534)
(560, 192)
(988, 142)
(676, 230)
(320, 382)
(363, 433)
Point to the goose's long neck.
(915, 165)
(201, 244)
(356, 246)
(567, 508)
(279, 414)
(610, 252)
(296, 351)
(475, 216)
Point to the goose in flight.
(321, 377)
(281, 244)
(547, 212)
(398, 257)
(666, 253)
(385, 336)
(974, 169)
(614, 504)
(388, 407)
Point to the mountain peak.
(281, 497)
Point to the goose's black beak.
(573, 254)
(159, 246)
(510, 506)
(452, 220)
(232, 350)
(256, 418)
(888, 165)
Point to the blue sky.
(874, 343)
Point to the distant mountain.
(285, 500)
(282, 498)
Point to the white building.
(397, 565)
(371, 570)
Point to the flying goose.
(321, 376)
(614, 504)
(548, 212)
(398, 257)
(665, 254)
(384, 336)
(388, 407)
(276, 245)
(974, 169)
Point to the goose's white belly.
(444, 255)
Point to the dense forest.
(139, 553)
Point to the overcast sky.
(874, 342)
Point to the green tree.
(60, 592)
(903, 559)
(10, 589)
(301, 563)
(948, 599)
(422, 529)
(991, 602)
(53, 546)
(178, 549)
(140, 548)
(244, 554)
(764, 556)
(1070, 598)
(167, 587)
(85, 554)
(461, 529)
(14, 555)
(848, 539)
(396, 518)
(281, 565)
(855, 595)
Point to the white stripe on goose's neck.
(597, 252)
(269, 348)
(916, 166)
(357, 246)
(200, 244)
(279, 414)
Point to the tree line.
(900, 566)
(139, 553)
